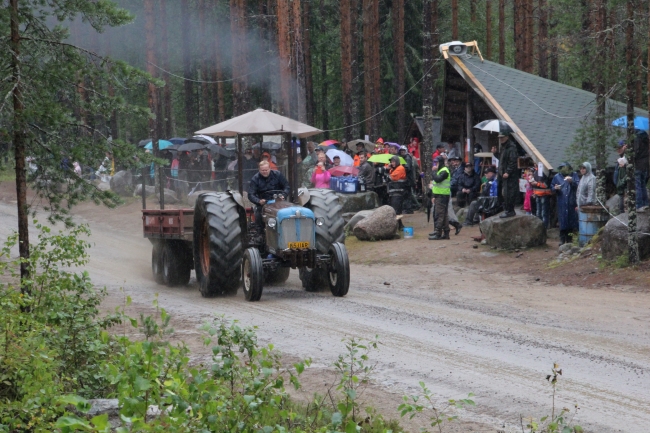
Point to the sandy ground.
(459, 318)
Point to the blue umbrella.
(162, 144)
(178, 140)
(639, 122)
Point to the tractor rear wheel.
(156, 263)
(338, 270)
(252, 274)
(325, 204)
(279, 276)
(217, 245)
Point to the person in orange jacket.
(266, 156)
(396, 170)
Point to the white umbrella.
(496, 125)
(259, 122)
(206, 137)
(346, 160)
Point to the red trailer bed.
(168, 223)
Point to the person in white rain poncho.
(587, 186)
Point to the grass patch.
(7, 173)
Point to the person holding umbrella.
(441, 196)
(366, 171)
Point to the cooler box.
(348, 185)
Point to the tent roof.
(259, 121)
(546, 114)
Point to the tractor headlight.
(320, 221)
(271, 223)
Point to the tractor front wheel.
(252, 274)
(338, 270)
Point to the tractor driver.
(263, 186)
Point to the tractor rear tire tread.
(226, 247)
(325, 204)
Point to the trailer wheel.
(252, 274)
(279, 276)
(338, 270)
(176, 267)
(217, 244)
(156, 263)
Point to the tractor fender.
(303, 196)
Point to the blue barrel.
(591, 218)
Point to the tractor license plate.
(296, 245)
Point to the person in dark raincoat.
(564, 185)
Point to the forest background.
(334, 64)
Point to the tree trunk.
(164, 59)
(519, 33)
(347, 28)
(284, 50)
(188, 86)
(633, 246)
(19, 143)
(454, 20)
(555, 67)
(204, 113)
(218, 72)
(376, 70)
(238, 28)
(488, 29)
(429, 42)
(502, 32)
(398, 40)
(323, 74)
(586, 27)
(309, 76)
(150, 38)
(356, 78)
(542, 64)
(530, 43)
(112, 122)
(369, 30)
(299, 56)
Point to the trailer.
(171, 233)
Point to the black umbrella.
(191, 146)
(143, 143)
(215, 149)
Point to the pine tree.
(44, 117)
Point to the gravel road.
(458, 329)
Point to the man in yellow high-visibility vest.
(441, 197)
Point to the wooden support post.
(240, 164)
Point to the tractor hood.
(294, 212)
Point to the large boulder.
(103, 186)
(612, 204)
(122, 183)
(149, 189)
(380, 225)
(614, 236)
(359, 201)
(519, 231)
(356, 218)
(170, 196)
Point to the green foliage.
(438, 414)
(52, 337)
(69, 95)
(354, 375)
(560, 423)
